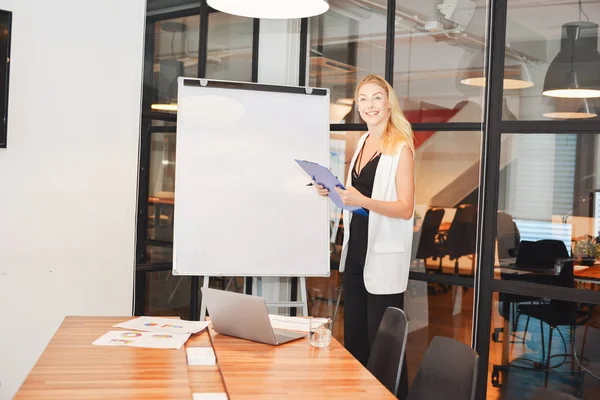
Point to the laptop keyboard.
(282, 338)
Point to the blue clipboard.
(323, 176)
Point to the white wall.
(278, 64)
(68, 179)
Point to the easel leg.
(256, 291)
(202, 305)
(303, 296)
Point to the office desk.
(588, 275)
(295, 370)
(72, 368)
(580, 275)
(161, 200)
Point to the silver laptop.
(244, 316)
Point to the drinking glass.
(320, 332)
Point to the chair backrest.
(507, 235)
(429, 229)
(462, 233)
(566, 278)
(448, 371)
(387, 354)
(542, 253)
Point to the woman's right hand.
(322, 190)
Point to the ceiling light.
(506, 83)
(569, 108)
(271, 9)
(164, 107)
(575, 71)
(515, 76)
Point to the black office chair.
(428, 245)
(508, 239)
(387, 353)
(429, 231)
(559, 313)
(507, 236)
(544, 254)
(448, 371)
(540, 255)
(461, 237)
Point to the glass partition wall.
(537, 291)
(503, 105)
(192, 41)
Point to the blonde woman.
(376, 251)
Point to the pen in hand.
(322, 190)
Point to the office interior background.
(87, 220)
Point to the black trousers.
(363, 313)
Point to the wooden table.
(161, 200)
(588, 275)
(292, 371)
(72, 368)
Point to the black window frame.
(5, 44)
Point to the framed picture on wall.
(5, 30)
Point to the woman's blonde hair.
(398, 129)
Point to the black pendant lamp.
(575, 71)
(570, 108)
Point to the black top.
(359, 226)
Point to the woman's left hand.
(350, 196)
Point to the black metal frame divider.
(6, 17)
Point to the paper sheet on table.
(153, 340)
(163, 325)
(580, 267)
(289, 323)
(209, 396)
(200, 356)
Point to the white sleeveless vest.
(390, 239)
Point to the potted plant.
(587, 251)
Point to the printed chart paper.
(153, 340)
(163, 325)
